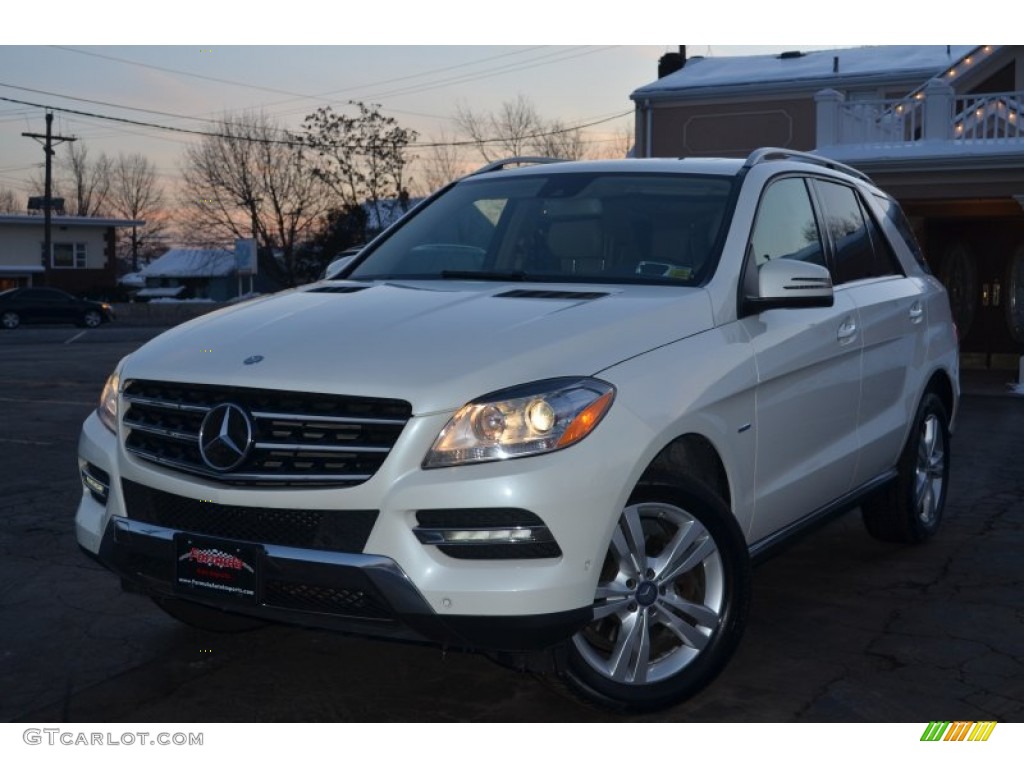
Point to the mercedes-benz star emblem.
(225, 437)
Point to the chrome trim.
(320, 448)
(231, 477)
(324, 419)
(168, 404)
(171, 433)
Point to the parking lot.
(843, 628)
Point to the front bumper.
(357, 593)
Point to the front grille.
(332, 530)
(298, 438)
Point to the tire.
(671, 604)
(10, 320)
(92, 319)
(909, 510)
(206, 618)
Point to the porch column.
(827, 105)
(938, 111)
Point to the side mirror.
(788, 283)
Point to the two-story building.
(83, 258)
(938, 127)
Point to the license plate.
(213, 568)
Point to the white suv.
(555, 413)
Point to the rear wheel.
(10, 320)
(671, 603)
(206, 618)
(909, 510)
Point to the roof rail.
(776, 153)
(497, 165)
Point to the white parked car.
(554, 413)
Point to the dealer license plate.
(214, 568)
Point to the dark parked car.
(48, 305)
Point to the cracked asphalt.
(843, 628)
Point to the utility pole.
(48, 143)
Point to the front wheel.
(92, 319)
(909, 510)
(671, 602)
(10, 320)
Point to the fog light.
(97, 482)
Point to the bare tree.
(88, 182)
(505, 133)
(361, 158)
(251, 180)
(617, 144)
(442, 163)
(134, 194)
(9, 201)
(557, 140)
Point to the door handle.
(847, 331)
(916, 313)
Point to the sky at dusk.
(171, 78)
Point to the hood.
(436, 344)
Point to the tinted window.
(845, 223)
(895, 214)
(862, 250)
(785, 227)
(568, 227)
(38, 294)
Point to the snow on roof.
(192, 262)
(814, 68)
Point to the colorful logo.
(958, 731)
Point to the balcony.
(931, 121)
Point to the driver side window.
(785, 227)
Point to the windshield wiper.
(471, 274)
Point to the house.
(83, 258)
(938, 127)
(191, 273)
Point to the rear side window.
(860, 251)
(785, 227)
(895, 214)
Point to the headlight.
(107, 409)
(522, 421)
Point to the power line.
(298, 142)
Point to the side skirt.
(770, 546)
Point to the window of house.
(68, 255)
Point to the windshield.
(583, 227)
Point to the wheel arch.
(694, 457)
(942, 385)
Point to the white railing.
(881, 122)
(932, 114)
(988, 117)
